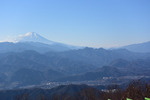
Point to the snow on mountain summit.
(34, 41)
(31, 34)
(33, 37)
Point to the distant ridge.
(141, 47)
(34, 41)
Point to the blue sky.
(94, 23)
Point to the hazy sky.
(94, 23)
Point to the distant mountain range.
(32, 68)
(35, 60)
(141, 47)
(117, 70)
(33, 41)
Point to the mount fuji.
(34, 41)
(33, 37)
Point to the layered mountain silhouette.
(35, 60)
(116, 69)
(141, 47)
(33, 68)
(33, 41)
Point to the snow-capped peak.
(33, 37)
(31, 34)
